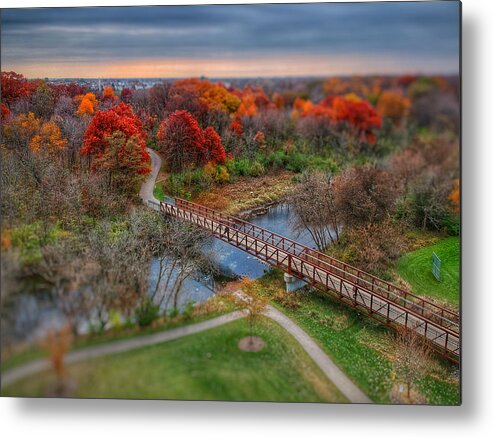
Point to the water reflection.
(232, 261)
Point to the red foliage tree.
(181, 141)
(13, 86)
(126, 95)
(214, 150)
(358, 113)
(5, 112)
(119, 118)
(236, 127)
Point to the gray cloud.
(418, 30)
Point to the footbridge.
(374, 297)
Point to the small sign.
(436, 266)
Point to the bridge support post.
(292, 283)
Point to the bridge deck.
(378, 299)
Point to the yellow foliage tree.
(48, 139)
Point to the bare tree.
(411, 356)
(365, 195)
(179, 249)
(314, 207)
(10, 273)
(68, 271)
(254, 304)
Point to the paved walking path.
(333, 373)
(24, 370)
(147, 189)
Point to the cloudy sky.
(232, 41)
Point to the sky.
(232, 41)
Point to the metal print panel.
(232, 202)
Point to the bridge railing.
(277, 251)
(413, 302)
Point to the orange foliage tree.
(49, 139)
(87, 104)
(247, 108)
(335, 86)
(455, 196)
(214, 96)
(394, 106)
(109, 94)
(301, 107)
(259, 139)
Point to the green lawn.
(205, 366)
(415, 268)
(361, 347)
(158, 191)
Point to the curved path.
(147, 190)
(333, 373)
(328, 367)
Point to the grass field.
(159, 191)
(206, 366)
(361, 347)
(415, 268)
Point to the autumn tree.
(315, 209)
(301, 107)
(254, 304)
(109, 94)
(236, 127)
(87, 104)
(259, 139)
(455, 196)
(364, 195)
(394, 106)
(119, 118)
(14, 86)
(214, 150)
(57, 344)
(181, 141)
(247, 107)
(43, 101)
(126, 95)
(5, 112)
(123, 163)
(48, 140)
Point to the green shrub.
(188, 183)
(146, 313)
(246, 167)
(451, 223)
(188, 310)
(29, 239)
